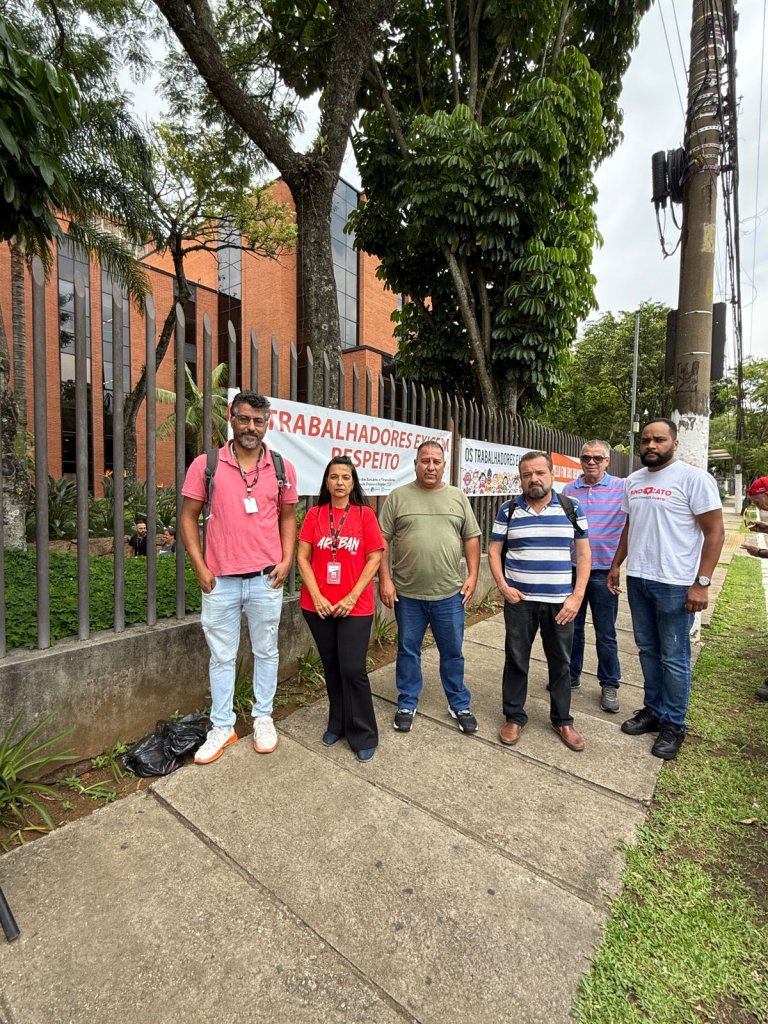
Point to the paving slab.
(504, 801)
(444, 924)
(621, 764)
(490, 633)
(129, 916)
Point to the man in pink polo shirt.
(250, 540)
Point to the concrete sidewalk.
(450, 879)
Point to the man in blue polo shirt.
(600, 496)
(539, 592)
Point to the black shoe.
(644, 720)
(465, 720)
(575, 682)
(404, 719)
(669, 741)
(762, 693)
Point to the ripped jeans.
(221, 615)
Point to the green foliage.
(594, 398)
(310, 669)
(21, 594)
(752, 451)
(194, 410)
(21, 757)
(384, 629)
(96, 790)
(243, 698)
(39, 108)
(112, 759)
(478, 175)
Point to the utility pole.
(693, 353)
(634, 426)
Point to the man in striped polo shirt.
(539, 592)
(600, 498)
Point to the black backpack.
(570, 512)
(210, 472)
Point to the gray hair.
(596, 443)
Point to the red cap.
(759, 486)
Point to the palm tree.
(194, 411)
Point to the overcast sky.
(630, 267)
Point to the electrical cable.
(671, 58)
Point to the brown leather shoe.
(509, 734)
(572, 739)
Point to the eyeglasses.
(258, 421)
(594, 458)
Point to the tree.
(752, 451)
(476, 152)
(249, 57)
(193, 423)
(201, 198)
(594, 398)
(39, 109)
(68, 147)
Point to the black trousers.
(343, 648)
(522, 621)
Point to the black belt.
(249, 575)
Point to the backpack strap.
(210, 473)
(570, 512)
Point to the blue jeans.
(662, 630)
(446, 618)
(221, 615)
(604, 607)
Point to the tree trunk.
(313, 195)
(135, 398)
(16, 486)
(19, 332)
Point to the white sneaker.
(264, 735)
(218, 737)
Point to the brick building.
(253, 292)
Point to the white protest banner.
(382, 451)
(486, 468)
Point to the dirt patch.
(97, 786)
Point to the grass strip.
(687, 941)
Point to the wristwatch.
(703, 581)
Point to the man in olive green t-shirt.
(429, 525)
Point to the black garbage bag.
(163, 752)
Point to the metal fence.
(399, 400)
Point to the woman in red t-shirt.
(340, 546)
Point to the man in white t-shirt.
(672, 540)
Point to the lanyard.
(248, 487)
(336, 532)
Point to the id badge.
(333, 574)
(250, 505)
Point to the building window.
(70, 260)
(230, 296)
(345, 262)
(108, 289)
(190, 327)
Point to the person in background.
(340, 546)
(600, 497)
(137, 542)
(168, 547)
(758, 493)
